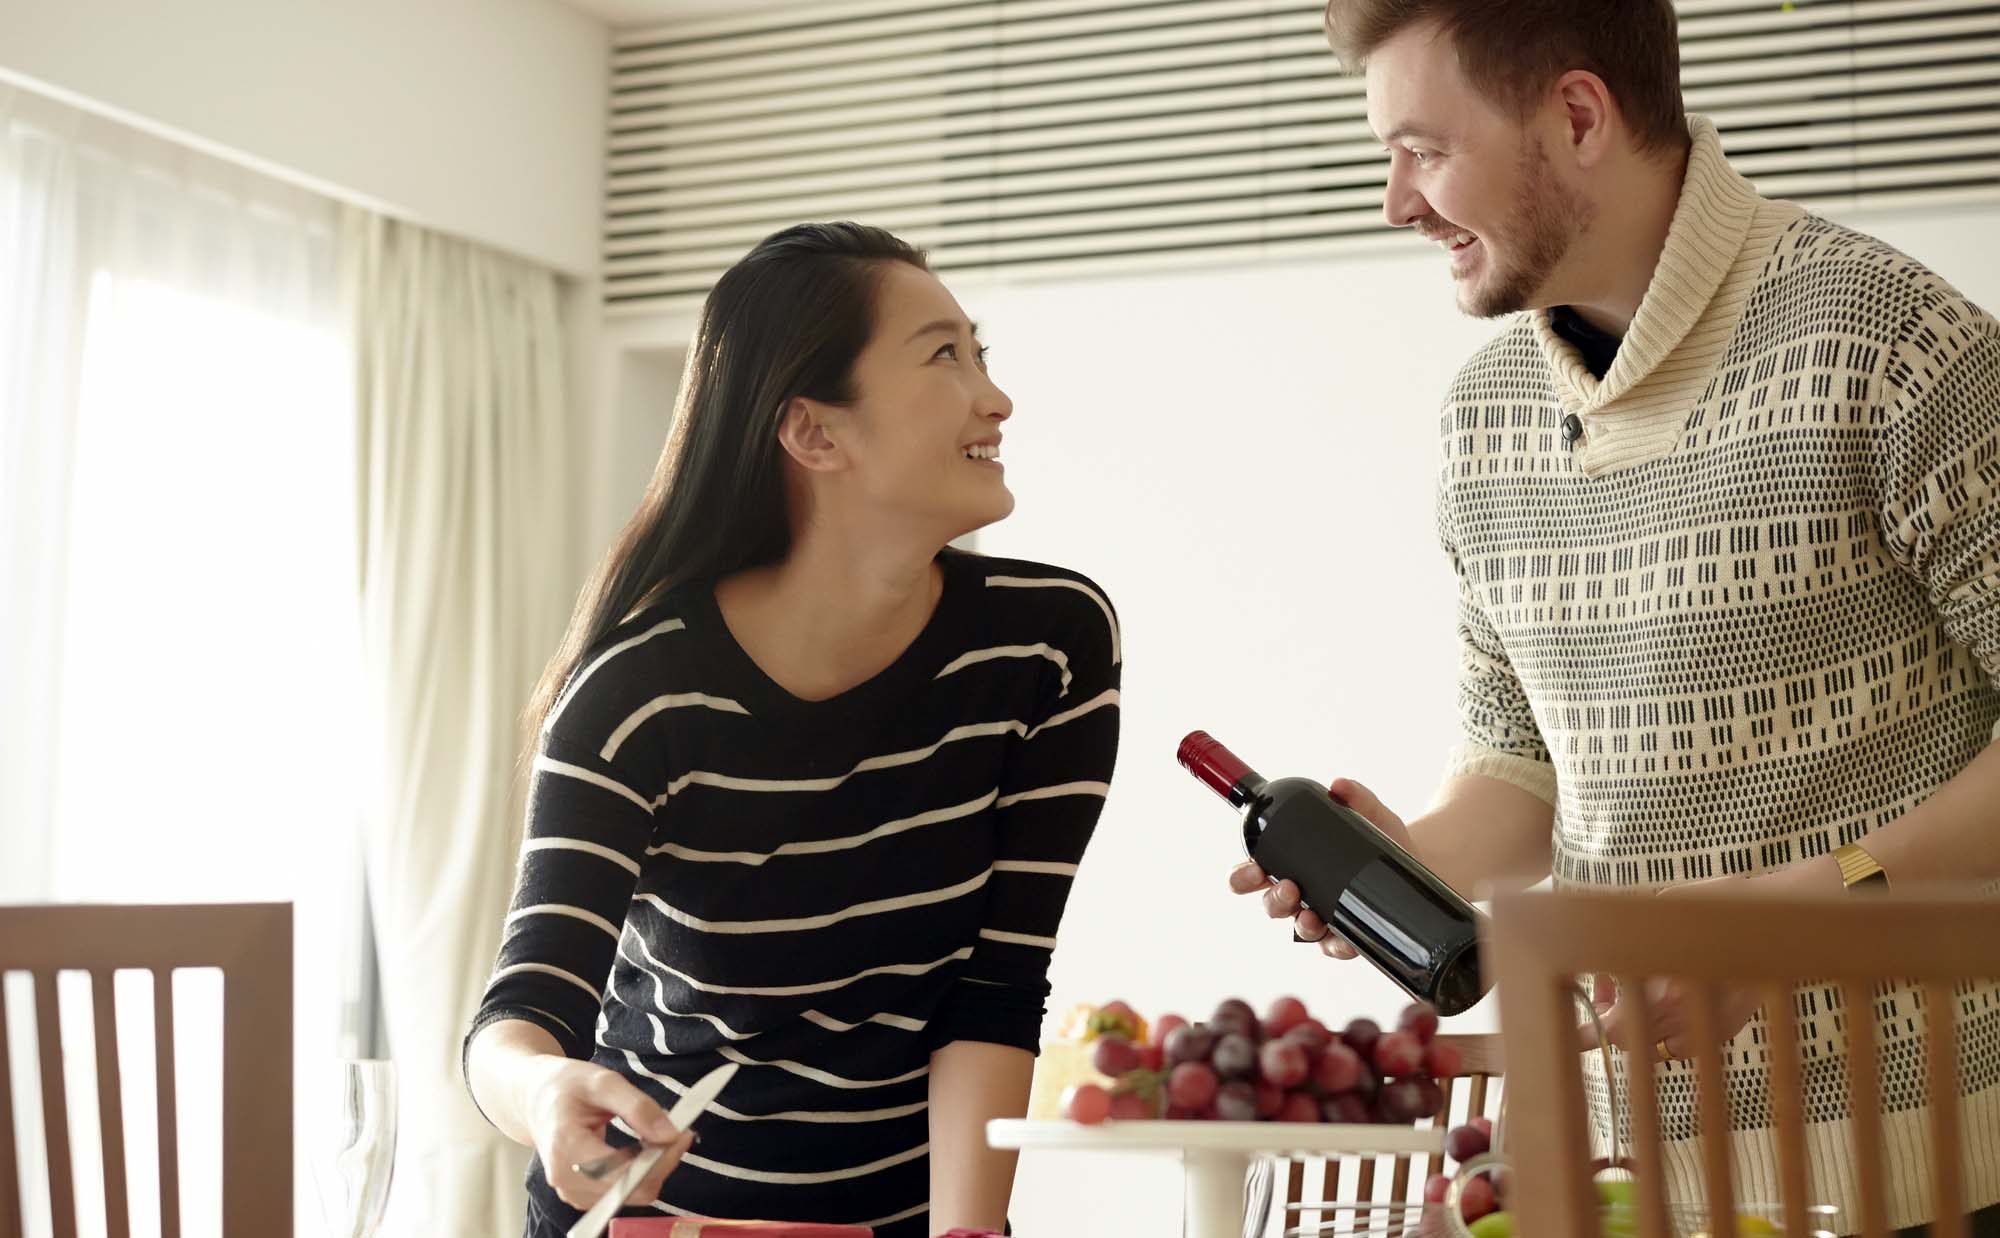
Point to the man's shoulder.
(1851, 280)
(1507, 368)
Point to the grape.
(1114, 1056)
(1086, 1103)
(1419, 1019)
(1485, 1126)
(1462, 1143)
(1433, 1096)
(1176, 1113)
(1270, 1099)
(1235, 1056)
(1234, 1015)
(1153, 1058)
(1191, 1085)
(1435, 1186)
(1311, 1033)
(1285, 1014)
(1236, 1102)
(1166, 1027)
(1190, 1044)
(1299, 1107)
(1130, 1106)
(1476, 1200)
(1339, 1069)
(1361, 1035)
(1283, 1062)
(1441, 1061)
(1403, 1101)
(1398, 1055)
(1368, 1084)
(1346, 1107)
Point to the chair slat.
(1788, 1103)
(55, 1107)
(1941, 1013)
(1642, 1098)
(1706, 1037)
(168, 1110)
(1864, 1090)
(10, 1195)
(110, 1103)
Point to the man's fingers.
(1247, 878)
(1363, 801)
(1334, 946)
(1281, 901)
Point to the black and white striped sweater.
(824, 892)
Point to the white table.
(1215, 1156)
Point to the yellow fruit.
(1748, 1227)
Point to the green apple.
(1493, 1225)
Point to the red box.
(708, 1227)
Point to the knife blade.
(689, 1107)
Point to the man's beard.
(1547, 218)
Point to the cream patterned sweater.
(1753, 615)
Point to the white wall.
(482, 118)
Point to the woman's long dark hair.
(787, 321)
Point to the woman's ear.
(810, 434)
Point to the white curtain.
(178, 628)
(466, 577)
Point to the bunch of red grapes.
(1286, 1067)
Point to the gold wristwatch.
(1858, 868)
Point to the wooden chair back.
(1543, 941)
(1472, 1093)
(252, 946)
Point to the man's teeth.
(1458, 240)
(982, 451)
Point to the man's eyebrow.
(948, 325)
(1401, 132)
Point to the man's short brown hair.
(1514, 50)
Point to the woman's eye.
(949, 350)
(984, 352)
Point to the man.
(1721, 497)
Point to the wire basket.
(1418, 1220)
(1400, 1219)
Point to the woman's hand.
(1669, 1000)
(567, 1110)
(1281, 901)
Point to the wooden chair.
(252, 945)
(1470, 1094)
(1541, 942)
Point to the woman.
(810, 786)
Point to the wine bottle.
(1396, 912)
